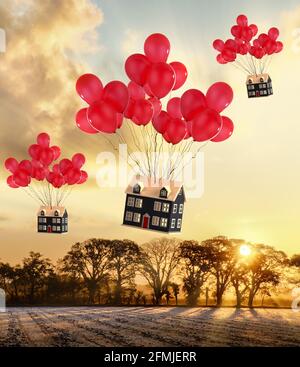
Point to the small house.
(52, 220)
(156, 207)
(259, 86)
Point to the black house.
(156, 207)
(52, 220)
(259, 86)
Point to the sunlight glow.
(245, 250)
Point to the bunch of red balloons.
(197, 115)
(42, 166)
(244, 42)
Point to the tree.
(240, 282)
(222, 260)
(175, 290)
(295, 261)
(124, 258)
(159, 260)
(89, 260)
(35, 271)
(195, 268)
(265, 268)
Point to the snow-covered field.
(150, 327)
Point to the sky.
(252, 181)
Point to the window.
(58, 220)
(250, 81)
(66, 220)
(175, 208)
(63, 228)
(54, 228)
(130, 201)
(178, 223)
(41, 220)
(40, 228)
(173, 223)
(137, 217)
(164, 222)
(44, 228)
(155, 221)
(44, 220)
(138, 203)
(128, 216)
(163, 193)
(157, 206)
(165, 207)
(56, 213)
(137, 189)
(261, 80)
(58, 228)
(42, 213)
(53, 220)
(180, 208)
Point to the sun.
(245, 250)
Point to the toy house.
(154, 207)
(52, 220)
(259, 86)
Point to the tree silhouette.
(90, 260)
(159, 260)
(175, 289)
(196, 267)
(240, 282)
(124, 259)
(295, 261)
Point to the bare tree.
(90, 260)
(175, 289)
(159, 260)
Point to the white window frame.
(58, 229)
(130, 201)
(44, 228)
(41, 220)
(173, 222)
(128, 216)
(58, 220)
(165, 208)
(155, 220)
(180, 209)
(54, 220)
(137, 217)
(164, 222)
(138, 203)
(175, 207)
(54, 228)
(157, 206)
(40, 228)
(179, 222)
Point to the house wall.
(43, 223)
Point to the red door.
(146, 222)
(49, 229)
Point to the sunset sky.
(252, 181)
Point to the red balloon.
(103, 117)
(148, 91)
(189, 125)
(226, 130)
(270, 47)
(83, 123)
(161, 79)
(228, 55)
(191, 101)
(83, 178)
(254, 29)
(116, 94)
(11, 183)
(273, 33)
(219, 96)
(39, 173)
(206, 125)
(218, 45)
(90, 88)
(174, 108)
(56, 169)
(43, 140)
(21, 178)
(176, 131)
(263, 39)
(161, 122)
(181, 74)
(47, 156)
(35, 151)
(57, 180)
(11, 164)
(247, 34)
(279, 47)
(78, 160)
(157, 47)
(135, 91)
(221, 60)
(143, 112)
(128, 113)
(236, 31)
(56, 151)
(120, 117)
(231, 45)
(156, 104)
(65, 165)
(244, 49)
(242, 20)
(72, 176)
(26, 166)
(136, 67)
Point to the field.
(149, 327)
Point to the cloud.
(46, 45)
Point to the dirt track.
(134, 326)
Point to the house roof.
(152, 189)
(49, 211)
(256, 78)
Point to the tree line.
(106, 272)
